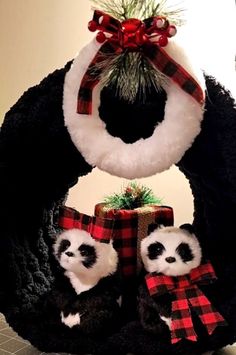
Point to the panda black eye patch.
(63, 246)
(185, 252)
(89, 252)
(155, 250)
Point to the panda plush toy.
(88, 293)
(169, 255)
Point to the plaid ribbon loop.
(101, 229)
(187, 297)
(133, 35)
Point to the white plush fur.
(171, 138)
(171, 238)
(80, 283)
(82, 278)
(167, 321)
(71, 320)
(119, 301)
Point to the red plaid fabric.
(126, 231)
(168, 66)
(187, 297)
(92, 77)
(112, 24)
(99, 228)
(157, 55)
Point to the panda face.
(171, 251)
(71, 252)
(78, 252)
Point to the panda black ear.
(188, 227)
(152, 227)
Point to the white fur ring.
(168, 143)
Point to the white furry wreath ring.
(168, 143)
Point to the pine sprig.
(133, 196)
(120, 9)
(130, 74)
(140, 9)
(152, 8)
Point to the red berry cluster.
(101, 26)
(162, 28)
(133, 33)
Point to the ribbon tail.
(169, 67)
(84, 105)
(208, 315)
(181, 325)
(92, 77)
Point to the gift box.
(130, 227)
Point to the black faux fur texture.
(31, 190)
(118, 114)
(98, 307)
(150, 311)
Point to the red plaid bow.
(187, 295)
(132, 35)
(100, 229)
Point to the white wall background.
(211, 35)
(38, 36)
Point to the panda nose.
(69, 253)
(170, 259)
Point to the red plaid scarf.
(157, 55)
(187, 296)
(99, 228)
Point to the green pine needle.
(130, 74)
(132, 196)
(120, 9)
(140, 9)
